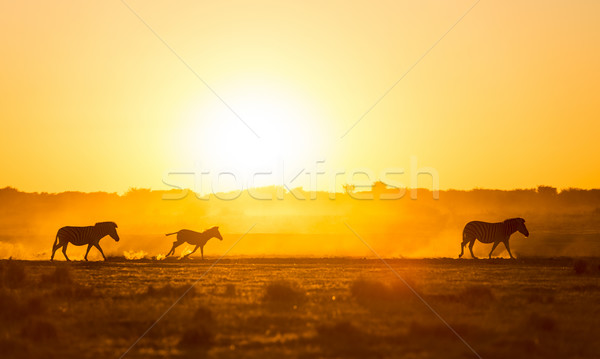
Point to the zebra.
(80, 236)
(492, 232)
(196, 238)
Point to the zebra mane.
(510, 225)
(107, 223)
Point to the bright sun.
(276, 126)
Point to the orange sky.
(91, 99)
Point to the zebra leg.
(172, 251)
(202, 252)
(508, 249)
(54, 248)
(88, 251)
(195, 249)
(471, 248)
(64, 250)
(100, 249)
(493, 247)
(462, 248)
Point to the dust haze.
(303, 224)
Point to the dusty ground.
(273, 308)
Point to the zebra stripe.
(80, 236)
(492, 233)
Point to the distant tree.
(349, 188)
(547, 190)
(378, 188)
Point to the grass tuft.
(283, 292)
(229, 290)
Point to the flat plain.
(301, 307)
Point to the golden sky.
(91, 99)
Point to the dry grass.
(297, 316)
(368, 291)
(169, 290)
(60, 276)
(12, 274)
(283, 292)
(580, 266)
(38, 330)
(477, 293)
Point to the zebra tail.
(55, 241)
(170, 234)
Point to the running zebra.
(492, 232)
(198, 239)
(80, 236)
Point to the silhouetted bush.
(38, 330)
(229, 290)
(580, 266)
(283, 292)
(366, 290)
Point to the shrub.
(365, 290)
(229, 290)
(283, 292)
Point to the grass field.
(272, 308)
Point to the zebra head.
(214, 231)
(108, 228)
(521, 227)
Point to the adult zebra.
(492, 232)
(80, 236)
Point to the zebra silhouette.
(492, 233)
(199, 239)
(80, 236)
